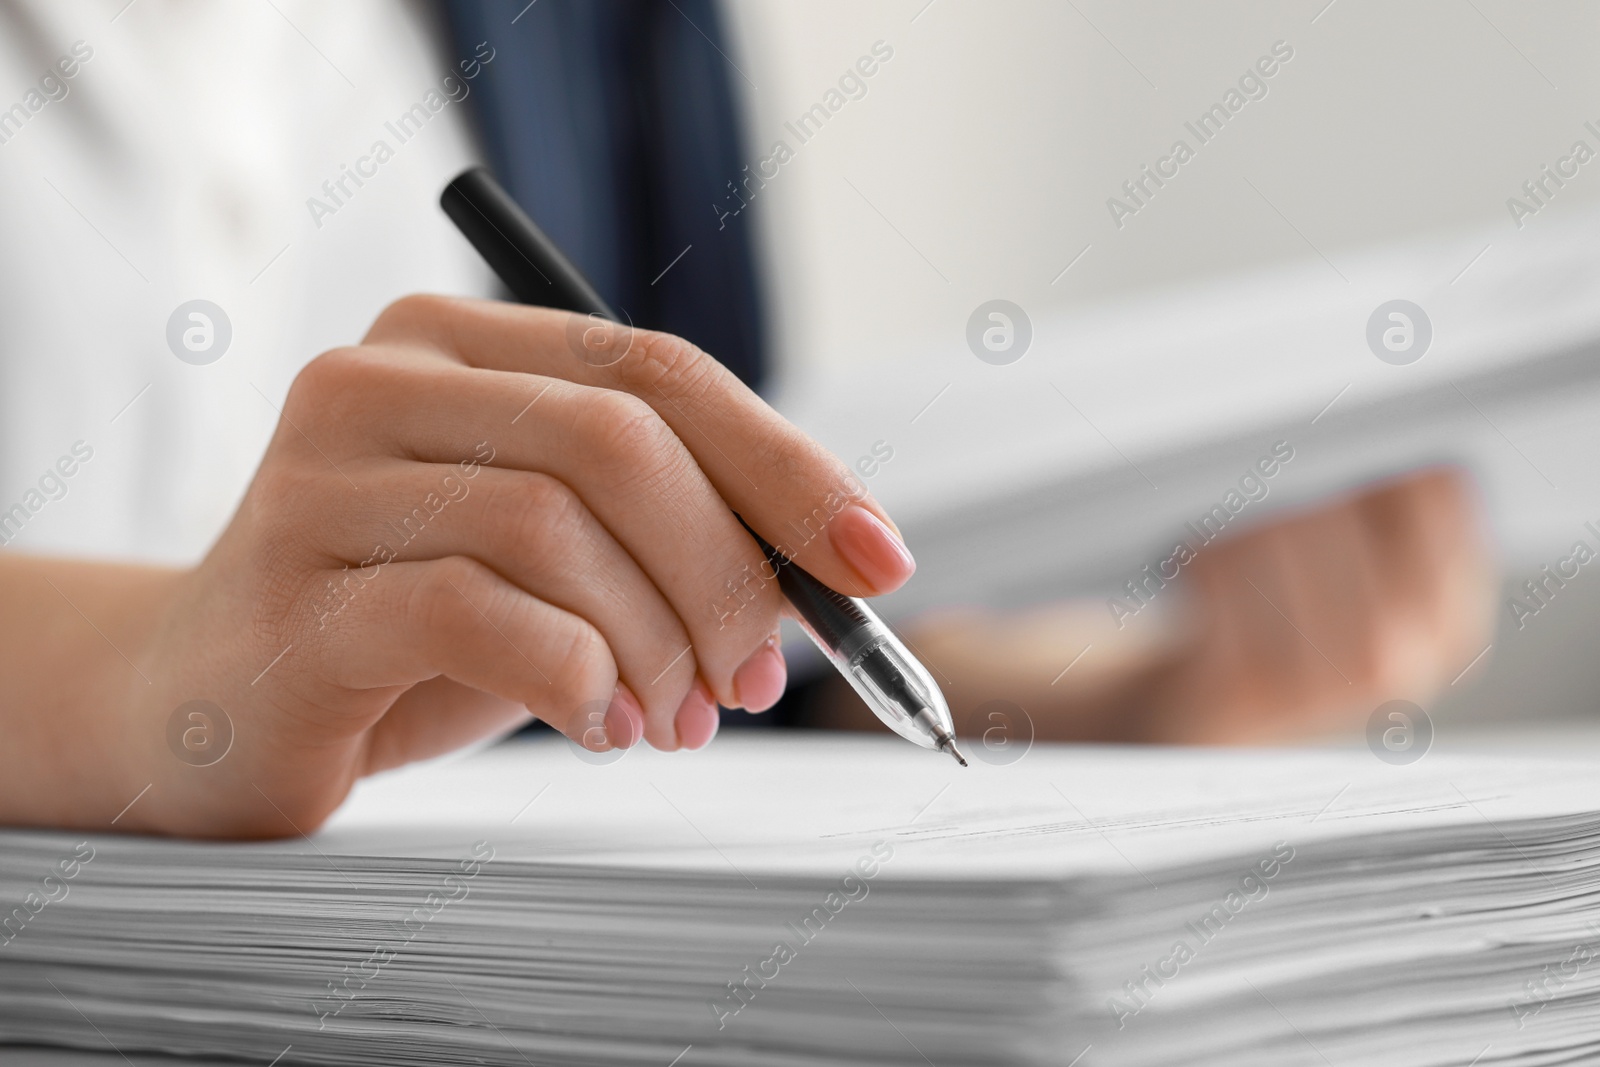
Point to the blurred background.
(1229, 312)
(1158, 349)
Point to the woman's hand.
(481, 512)
(1301, 626)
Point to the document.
(827, 900)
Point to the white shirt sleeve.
(185, 158)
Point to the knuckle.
(327, 383)
(669, 365)
(542, 510)
(625, 430)
(416, 313)
(444, 601)
(582, 669)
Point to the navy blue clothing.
(614, 124)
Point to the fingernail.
(871, 548)
(624, 718)
(759, 681)
(697, 717)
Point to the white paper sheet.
(522, 905)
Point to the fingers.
(1249, 664)
(1380, 595)
(458, 619)
(789, 488)
(1435, 560)
(535, 532)
(1319, 582)
(436, 717)
(618, 461)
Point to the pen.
(897, 688)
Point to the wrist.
(73, 647)
(124, 703)
(158, 713)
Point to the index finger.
(799, 496)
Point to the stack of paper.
(795, 901)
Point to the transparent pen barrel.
(878, 666)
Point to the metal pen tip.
(943, 739)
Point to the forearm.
(73, 637)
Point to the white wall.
(993, 138)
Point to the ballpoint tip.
(943, 739)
